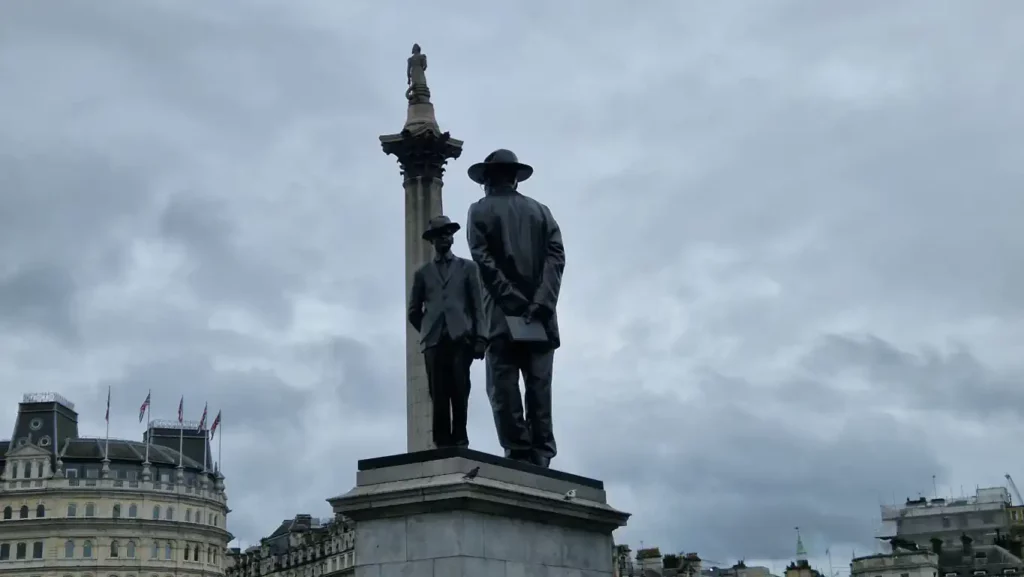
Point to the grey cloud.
(41, 296)
(254, 399)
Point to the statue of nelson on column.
(517, 245)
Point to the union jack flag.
(216, 423)
(144, 407)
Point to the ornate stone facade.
(300, 547)
(98, 508)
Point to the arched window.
(195, 553)
(215, 556)
(40, 510)
(69, 549)
(209, 555)
(186, 552)
(90, 509)
(72, 510)
(154, 552)
(130, 552)
(87, 549)
(14, 470)
(8, 512)
(115, 549)
(156, 511)
(39, 470)
(133, 511)
(168, 551)
(116, 512)
(23, 514)
(188, 515)
(170, 513)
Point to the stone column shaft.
(422, 201)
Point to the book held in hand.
(528, 332)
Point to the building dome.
(73, 506)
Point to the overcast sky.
(794, 287)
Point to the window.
(155, 551)
(37, 550)
(14, 470)
(35, 424)
(5, 551)
(116, 512)
(195, 553)
(90, 509)
(156, 511)
(133, 511)
(186, 552)
(168, 551)
(92, 473)
(130, 550)
(69, 549)
(988, 518)
(28, 470)
(8, 512)
(23, 514)
(115, 549)
(39, 470)
(188, 515)
(170, 513)
(945, 522)
(21, 551)
(904, 574)
(72, 510)
(87, 549)
(209, 555)
(40, 510)
(71, 473)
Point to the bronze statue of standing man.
(445, 307)
(517, 246)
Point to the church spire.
(801, 552)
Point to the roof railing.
(47, 398)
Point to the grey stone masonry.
(427, 519)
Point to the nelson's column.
(422, 151)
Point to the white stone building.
(85, 507)
(897, 564)
(299, 547)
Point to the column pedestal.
(420, 515)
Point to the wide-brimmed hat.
(440, 225)
(500, 157)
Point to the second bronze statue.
(445, 307)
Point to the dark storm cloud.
(777, 218)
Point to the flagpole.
(149, 421)
(206, 449)
(181, 434)
(106, 443)
(220, 442)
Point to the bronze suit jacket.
(449, 300)
(517, 245)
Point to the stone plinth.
(417, 515)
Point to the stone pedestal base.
(426, 514)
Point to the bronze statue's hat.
(500, 157)
(440, 225)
